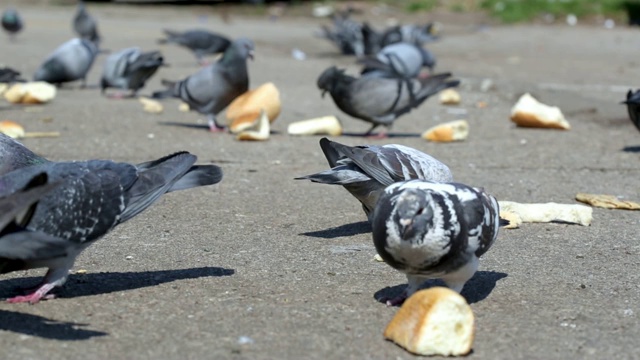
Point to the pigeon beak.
(405, 226)
(250, 56)
(324, 92)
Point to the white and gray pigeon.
(12, 22)
(84, 25)
(213, 87)
(380, 101)
(365, 171)
(403, 60)
(430, 230)
(200, 42)
(129, 69)
(71, 61)
(93, 197)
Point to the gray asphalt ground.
(265, 267)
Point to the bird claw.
(33, 298)
(395, 301)
(378, 136)
(215, 128)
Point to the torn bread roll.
(449, 97)
(14, 130)
(451, 131)
(607, 201)
(326, 125)
(38, 92)
(529, 112)
(259, 131)
(548, 212)
(436, 321)
(245, 109)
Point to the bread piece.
(259, 131)
(326, 125)
(449, 97)
(529, 112)
(15, 93)
(266, 97)
(513, 218)
(150, 105)
(436, 321)
(607, 201)
(12, 129)
(451, 131)
(38, 92)
(569, 213)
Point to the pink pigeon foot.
(40, 294)
(379, 136)
(398, 300)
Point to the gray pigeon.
(404, 60)
(9, 75)
(93, 197)
(200, 42)
(71, 61)
(347, 34)
(376, 100)
(14, 155)
(11, 22)
(129, 69)
(633, 107)
(85, 25)
(432, 230)
(212, 88)
(365, 171)
(414, 34)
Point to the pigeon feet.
(396, 301)
(378, 136)
(34, 297)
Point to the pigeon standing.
(380, 101)
(93, 197)
(69, 62)
(403, 60)
(129, 69)
(85, 25)
(365, 171)
(347, 34)
(212, 88)
(11, 22)
(200, 42)
(433, 230)
(633, 107)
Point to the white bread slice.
(547, 212)
(326, 125)
(258, 131)
(529, 112)
(436, 321)
(451, 131)
(449, 97)
(38, 92)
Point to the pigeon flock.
(424, 224)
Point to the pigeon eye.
(420, 211)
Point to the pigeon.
(85, 25)
(212, 88)
(365, 171)
(415, 34)
(200, 42)
(14, 155)
(93, 197)
(129, 69)
(404, 60)
(9, 75)
(633, 107)
(69, 62)
(11, 22)
(377, 100)
(431, 230)
(348, 34)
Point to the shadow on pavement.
(475, 290)
(389, 135)
(631, 149)
(104, 283)
(39, 326)
(356, 228)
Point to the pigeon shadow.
(103, 283)
(389, 135)
(356, 228)
(187, 125)
(34, 325)
(475, 290)
(631, 149)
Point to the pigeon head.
(428, 59)
(244, 47)
(413, 214)
(328, 78)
